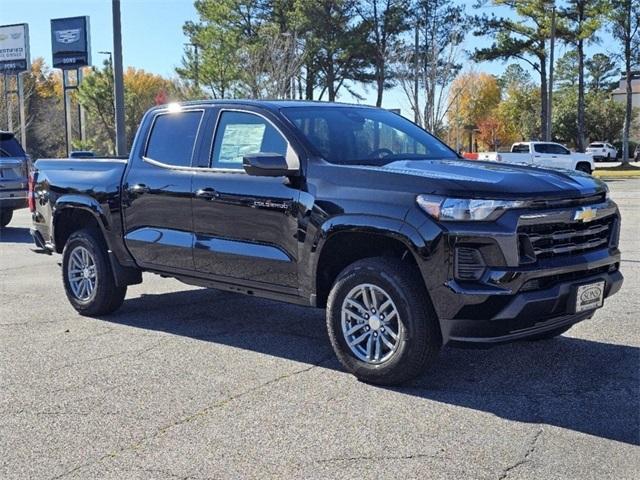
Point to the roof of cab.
(268, 104)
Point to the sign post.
(14, 60)
(71, 48)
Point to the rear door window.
(520, 148)
(173, 137)
(10, 147)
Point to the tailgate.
(13, 173)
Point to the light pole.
(551, 6)
(118, 81)
(110, 73)
(110, 57)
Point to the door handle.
(139, 188)
(207, 193)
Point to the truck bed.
(82, 175)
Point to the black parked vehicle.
(349, 208)
(14, 171)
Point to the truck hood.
(466, 179)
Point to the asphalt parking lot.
(191, 383)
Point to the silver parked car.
(14, 173)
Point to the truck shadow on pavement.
(15, 235)
(581, 385)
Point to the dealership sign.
(70, 42)
(14, 48)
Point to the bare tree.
(625, 18)
(272, 64)
(428, 65)
(386, 21)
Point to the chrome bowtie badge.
(585, 214)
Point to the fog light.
(469, 264)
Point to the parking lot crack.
(136, 353)
(526, 458)
(231, 398)
(375, 458)
(199, 414)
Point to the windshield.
(365, 136)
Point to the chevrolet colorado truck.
(349, 208)
(542, 154)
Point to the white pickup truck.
(543, 154)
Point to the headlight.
(464, 209)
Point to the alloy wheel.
(371, 324)
(81, 273)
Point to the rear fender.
(123, 275)
(81, 202)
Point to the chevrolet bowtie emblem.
(585, 214)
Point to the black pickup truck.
(349, 208)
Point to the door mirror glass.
(267, 165)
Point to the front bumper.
(527, 313)
(526, 286)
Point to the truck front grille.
(552, 239)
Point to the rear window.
(520, 148)
(173, 137)
(10, 147)
(596, 145)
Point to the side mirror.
(268, 165)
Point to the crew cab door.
(551, 155)
(157, 192)
(559, 156)
(246, 226)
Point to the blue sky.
(153, 40)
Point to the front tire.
(87, 276)
(5, 217)
(380, 322)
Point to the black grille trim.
(553, 239)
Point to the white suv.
(602, 151)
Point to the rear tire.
(5, 217)
(399, 346)
(550, 334)
(87, 276)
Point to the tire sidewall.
(86, 240)
(6, 215)
(408, 329)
